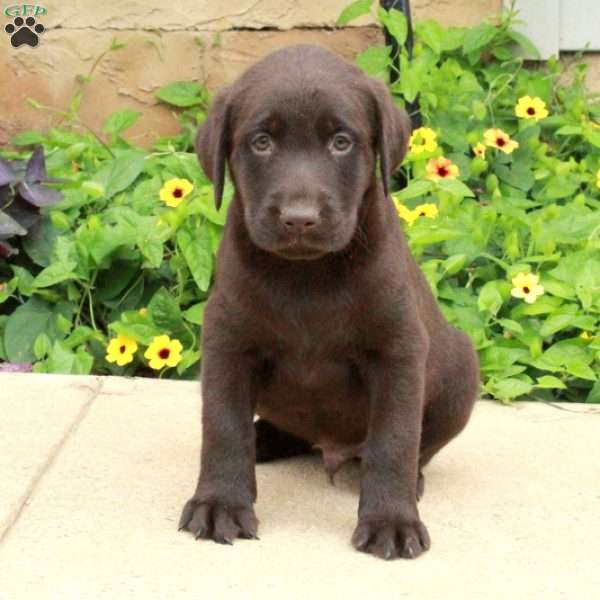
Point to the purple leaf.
(9, 227)
(39, 195)
(36, 167)
(15, 367)
(25, 214)
(6, 250)
(7, 175)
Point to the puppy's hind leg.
(273, 443)
(447, 414)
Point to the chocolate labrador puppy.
(320, 320)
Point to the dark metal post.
(404, 7)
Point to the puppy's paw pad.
(391, 538)
(218, 521)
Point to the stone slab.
(511, 506)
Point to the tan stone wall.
(205, 40)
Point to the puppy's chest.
(313, 349)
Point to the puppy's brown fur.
(320, 320)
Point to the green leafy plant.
(120, 269)
(501, 204)
(115, 268)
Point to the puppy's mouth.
(299, 251)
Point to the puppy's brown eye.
(262, 143)
(340, 143)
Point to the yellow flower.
(121, 350)
(441, 168)
(496, 138)
(422, 139)
(174, 191)
(527, 286)
(479, 150)
(531, 108)
(405, 213)
(426, 210)
(143, 312)
(163, 351)
(586, 335)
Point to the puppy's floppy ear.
(392, 129)
(212, 142)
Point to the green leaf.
(28, 138)
(395, 22)
(120, 121)
(150, 240)
(555, 323)
(142, 330)
(432, 33)
(569, 130)
(188, 359)
(479, 36)
(510, 325)
(55, 273)
(38, 243)
(416, 188)
(183, 94)
(118, 174)
(581, 370)
(93, 188)
(195, 314)
(80, 335)
(519, 175)
(41, 346)
(549, 381)
(23, 327)
(508, 389)
(526, 44)
(83, 363)
(433, 235)
(453, 264)
(594, 395)
(353, 11)
(498, 358)
(165, 312)
(560, 187)
(455, 187)
(374, 60)
(195, 247)
(490, 299)
(557, 287)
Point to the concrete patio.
(94, 472)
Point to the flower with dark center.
(174, 191)
(121, 349)
(163, 352)
(531, 108)
(441, 168)
(527, 286)
(496, 138)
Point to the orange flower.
(441, 168)
(496, 138)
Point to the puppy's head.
(302, 132)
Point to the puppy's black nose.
(299, 219)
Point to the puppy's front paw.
(390, 538)
(219, 522)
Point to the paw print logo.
(24, 32)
